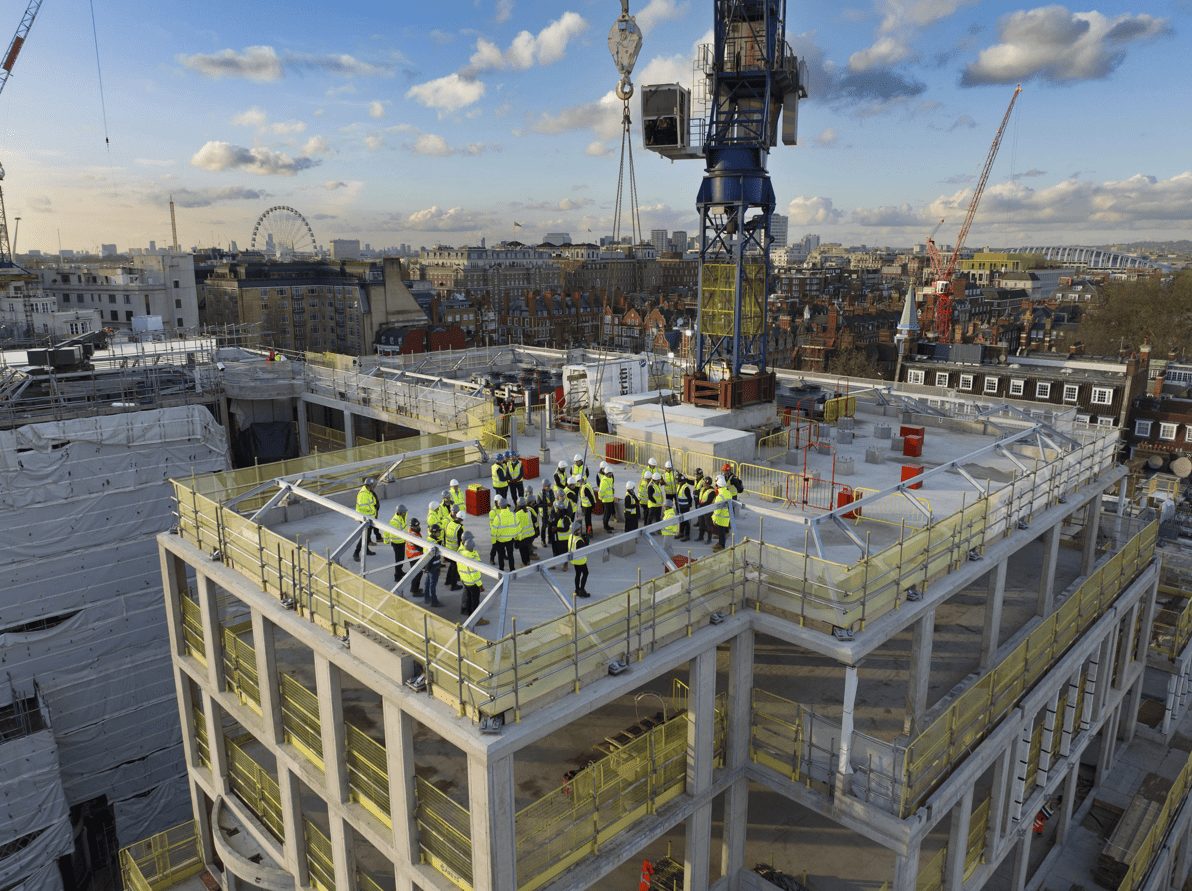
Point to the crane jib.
(13, 52)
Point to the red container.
(846, 496)
(909, 472)
(912, 446)
(680, 560)
(530, 467)
(614, 452)
(476, 500)
(912, 430)
(598, 508)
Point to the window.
(127, 300)
(1107, 421)
(1167, 431)
(128, 315)
(1084, 420)
(1043, 390)
(176, 283)
(1017, 386)
(66, 298)
(941, 378)
(178, 323)
(177, 304)
(111, 298)
(915, 377)
(991, 384)
(1071, 392)
(1188, 433)
(966, 382)
(1142, 428)
(1102, 396)
(115, 316)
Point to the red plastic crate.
(680, 560)
(476, 500)
(909, 472)
(913, 430)
(530, 467)
(614, 452)
(912, 446)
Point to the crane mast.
(10, 60)
(942, 271)
(753, 78)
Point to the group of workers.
(560, 516)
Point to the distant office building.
(345, 249)
(779, 229)
(150, 284)
(557, 238)
(660, 239)
(107, 250)
(678, 241)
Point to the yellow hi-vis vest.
(458, 498)
(397, 522)
(366, 502)
(468, 575)
(670, 514)
(720, 516)
(608, 488)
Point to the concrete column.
(906, 868)
(216, 746)
(490, 799)
(1068, 805)
(267, 684)
(701, 726)
(920, 673)
(1092, 527)
(328, 688)
(1051, 554)
(1022, 863)
(1108, 743)
(736, 799)
(303, 428)
(1133, 702)
(844, 767)
(202, 817)
(990, 636)
(999, 799)
(349, 428)
(343, 853)
(294, 846)
(1130, 635)
(212, 633)
(958, 842)
(399, 760)
(173, 574)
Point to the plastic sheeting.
(167, 804)
(32, 802)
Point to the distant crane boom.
(18, 41)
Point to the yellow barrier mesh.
(325, 439)
(603, 799)
(192, 629)
(718, 298)
(1172, 627)
(931, 875)
(776, 737)
(256, 787)
(300, 719)
(978, 826)
(444, 833)
(240, 668)
(365, 882)
(202, 750)
(162, 860)
(942, 745)
(1144, 856)
(368, 773)
(319, 860)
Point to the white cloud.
(436, 219)
(436, 146)
(603, 116)
(658, 11)
(597, 149)
(1060, 46)
(805, 210)
(219, 156)
(334, 185)
(264, 63)
(503, 11)
(372, 142)
(253, 62)
(900, 215)
(827, 137)
(250, 117)
(376, 109)
(287, 128)
(316, 145)
(207, 197)
(527, 50)
(900, 24)
(884, 52)
(449, 93)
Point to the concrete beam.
(349, 429)
(1092, 528)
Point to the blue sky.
(441, 122)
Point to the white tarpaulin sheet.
(32, 803)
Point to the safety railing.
(240, 667)
(978, 827)
(622, 450)
(202, 749)
(368, 773)
(776, 735)
(605, 798)
(774, 445)
(839, 407)
(1172, 627)
(162, 860)
(192, 629)
(256, 787)
(932, 754)
(319, 859)
(931, 874)
(326, 439)
(365, 882)
(1147, 852)
(444, 833)
(300, 719)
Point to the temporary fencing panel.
(444, 833)
(300, 719)
(240, 667)
(256, 787)
(368, 773)
(162, 860)
(319, 862)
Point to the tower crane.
(752, 77)
(941, 269)
(10, 59)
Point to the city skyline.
(453, 123)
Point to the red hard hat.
(727, 467)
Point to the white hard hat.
(656, 476)
(629, 486)
(668, 465)
(432, 505)
(578, 458)
(562, 465)
(455, 482)
(573, 479)
(603, 466)
(720, 480)
(652, 463)
(498, 501)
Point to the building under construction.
(920, 663)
